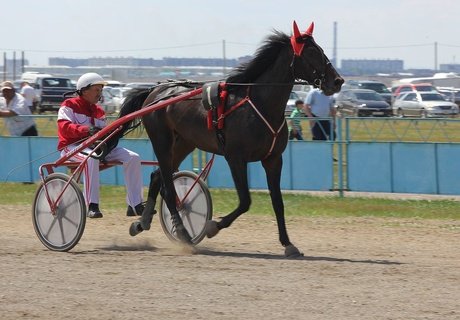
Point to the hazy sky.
(367, 29)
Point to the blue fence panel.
(15, 160)
(307, 165)
(43, 150)
(400, 167)
(220, 175)
(448, 170)
(311, 165)
(369, 167)
(414, 168)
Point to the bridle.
(298, 42)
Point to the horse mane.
(264, 57)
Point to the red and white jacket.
(75, 117)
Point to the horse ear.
(309, 31)
(296, 30)
(296, 46)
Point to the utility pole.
(436, 56)
(22, 62)
(334, 48)
(224, 58)
(14, 65)
(4, 66)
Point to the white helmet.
(89, 79)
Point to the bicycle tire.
(63, 230)
(196, 211)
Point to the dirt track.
(353, 268)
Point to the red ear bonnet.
(296, 45)
(309, 31)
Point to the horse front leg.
(273, 166)
(145, 221)
(238, 169)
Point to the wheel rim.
(194, 212)
(62, 230)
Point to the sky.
(391, 29)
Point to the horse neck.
(272, 90)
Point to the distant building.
(13, 68)
(141, 69)
(142, 62)
(370, 67)
(450, 67)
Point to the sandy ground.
(353, 268)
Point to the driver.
(80, 117)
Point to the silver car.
(423, 104)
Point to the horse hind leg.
(169, 195)
(145, 220)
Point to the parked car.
(450, 94)
(118, 95)
(107, 101)
(424, 104)
(144, 85)
(378, 87)
(362, 102)
(411, 87)
(114, 83)
(49, 90)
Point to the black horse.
(254, 128)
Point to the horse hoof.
(291, 251)
(145, 225)
(183, 236)
(135, 228)
(211, 228)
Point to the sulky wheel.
(195, 209)
(62, 229)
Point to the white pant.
(131, 170)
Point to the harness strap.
(273, 132)
(233, 108)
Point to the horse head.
(311, 64)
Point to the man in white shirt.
(14, 112)
(29, 95)
(317, 104)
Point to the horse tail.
(133, 102)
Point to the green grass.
(224, 201)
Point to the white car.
(118, 95)
(424, 104)
(107, 101)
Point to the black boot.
(136, 211)
(93, 211)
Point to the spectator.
(79, 118)
(29, 95)
(317, 104)
(295, 129)
(14, 112)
